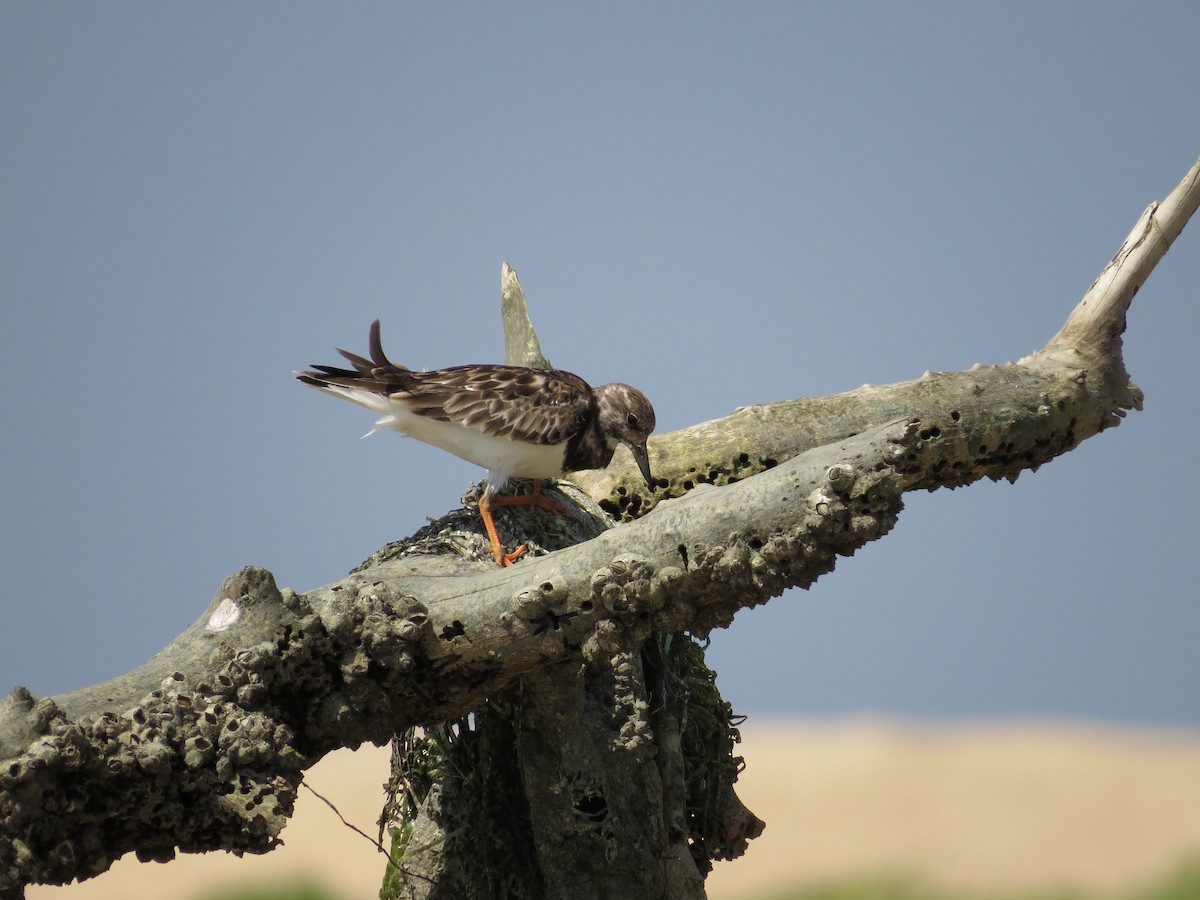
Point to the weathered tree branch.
(203, 746)
(521, 346)
(757, 437)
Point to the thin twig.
(352, 827)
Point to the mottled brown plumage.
(512, 420)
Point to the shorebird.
(516, 422)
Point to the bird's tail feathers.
(362, 396)
(377, 375)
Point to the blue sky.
(721, 204)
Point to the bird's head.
(627, 416)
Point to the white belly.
(503, 458)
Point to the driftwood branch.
(203, 746)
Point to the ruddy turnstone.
(513, 421)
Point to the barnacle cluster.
(204, 760)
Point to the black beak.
(643, 460)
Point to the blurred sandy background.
(970, 807)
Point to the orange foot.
(488, 501)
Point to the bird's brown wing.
(541, 406)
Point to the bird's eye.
(632, 421)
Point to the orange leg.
(488, 501)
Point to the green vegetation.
(1184, 884)
(904, 889)
(294, 890)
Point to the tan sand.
(1000, 806)
(997, 806)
